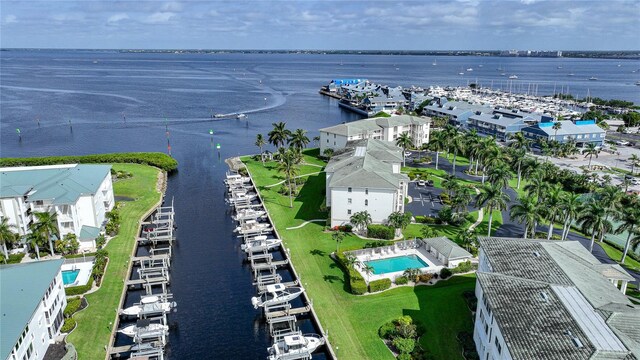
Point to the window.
(349, 212)
(348, 189)
(366, 191)
(334, 136)
(327, 141)
(366, 203)
(349, 201)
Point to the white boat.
(260, 243)
(147, 306)
(593, 78)
(503, 74)
(248, 214)
(434, 63)
(513, 77)
(638, 83)
(470, 69)
(145, 326)
(277, 294)
(238, 198)
(241, 116)
(219, 115)
(236, 179)
(252, 225)
(571, 74)
(292, 345)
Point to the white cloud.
(160, 17)
(528, 2)
(117, 17)
(172, 6)
(65, 17)
(10, 19)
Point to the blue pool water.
(69, 276)
(399, 263)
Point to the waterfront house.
(582, 132)
(458, 112)
(382, 128)
(32, 301)
(541, 299)
(446, 251)
(365, 175)
(496, 125)
(80, 195)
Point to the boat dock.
(150, 331)
(280, 315)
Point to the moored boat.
(143, 326)
(292, 345)
(260, 243)
(277, 294)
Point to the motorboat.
(236, 179)
(260, 243)
(470, 69)
(249, 214)
(593, 78)
(513, 77)
(143, 326)
(251, 226)
(241, 116)
(277, 294)
(296, 344)
(150, 305)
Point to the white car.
(407, 153)
(622, 142)
(421, 183)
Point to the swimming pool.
(394, 264)
(69, 276)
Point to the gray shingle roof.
(373, 124)
(448, 248)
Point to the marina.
(143, 320)
(283, 303)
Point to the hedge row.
(159, 160)
(379, 285)
(77, 290)
(69, 324)
(13, 258)
(402, 280)
(380, 232)
(357, 285)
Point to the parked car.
(429, 182)
(622, 142)
(407, 153)
(421, 183)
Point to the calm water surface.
(93, 102)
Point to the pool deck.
(84, 274)
(387, 252)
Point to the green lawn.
(616, 255)
(95, 322)
(352, 321)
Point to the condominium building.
(541, 299)
(365, 175)
(582, 132)
(32, 301)
(458, 112)
(381, 128)
(79, 194)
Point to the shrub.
(401, 280)
(471, 300)
(73, 305)
(159, 160)
(468, 345)
(77, 290)
(13, 258)
(425, 277)
(446, 215)
(404, 356)
(358, 286)
(445, 273)
(404, 346)
(343, 228)
(425, 219)
(101, 240)
(630, 254)
(463, 267)
(380, 232)
(69, 324)
(387, 331)
(379, 285)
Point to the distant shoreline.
(586, 54)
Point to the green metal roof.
(60, 185)
(22, 287)
(89, 232)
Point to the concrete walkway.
(480, 214)
(296, 177)
(305, 223)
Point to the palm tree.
(609, 197)
(404, 141)
(630, 218)
(7, 237)
(493, 198)
(572, 207)
(544, 148)
(279, 135)
(537, 186)
(461, 200)
(626, 182)
(556, 126)
(36, 239)
(500, 175)
(288, 165)
(635, 161)
(552, 203)
(427, 232)
(298, 140)
(450, 183)
(47, 224)
(368, 270)
(518, 159)
(591, 150)
(316, 140)
(593, 220)
(413, 274)
(467, 238)
(398, 220)
(437, 143)
(338, 236)
(260, 143)
(520, 142)
(457, 142)
(472, 145)
(490, 156)
(526, 212)
(361, 219)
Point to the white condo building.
(32, 301)
(365, 176)
(79, 194)
(541, 299)
(382, 128)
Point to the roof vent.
(544, 296)
(574, 339)
(536, 254)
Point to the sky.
(322, 25)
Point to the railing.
(401, 245)
(79, 260)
